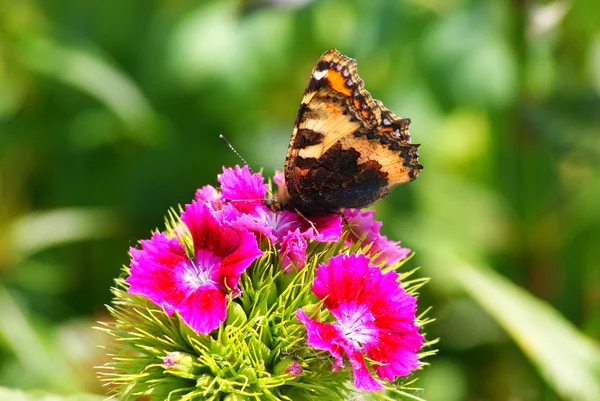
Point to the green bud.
(204, 380)
(180, 364)
(217, 348)
(249, 373)
(313, 311)
(265, 352)
(236, 315)
(225, 386)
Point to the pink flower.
(279, 178)
(295, 369)
(283, 222)
(246, 193)
(257, 223)
(170, 360)
(293, 251)
(195, 285)
(328, 227)
(209, 195)
(361, 223)
(374, 317)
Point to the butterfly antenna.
(230, 146)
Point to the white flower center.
(198, 271)
(356, 324)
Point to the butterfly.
(347, 150)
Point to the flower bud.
(313, 310)
(204, 380)
(236, 315)
(249, 373)
(179, 364)
(217, 348)
(288, 365)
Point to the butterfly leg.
(308, 221)
(347, 224)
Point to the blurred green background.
(110, 114)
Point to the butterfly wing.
(347, 149)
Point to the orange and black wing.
(347, 149)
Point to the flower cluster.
(316, 297)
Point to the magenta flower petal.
(223, 251)
(236, 262)
(329, 337)
(325, 336)
(197, 286)
(362, 223)
(153, 270)
(396, 353)
(329, 227)
(257, 223)
(279, 178)
(362, 377)
(209, 195)
(390, 251)
(398, 337)
(293, 251)
(284, 222)
(246, 191)
(204, 309)
(295, 369)
(207, 232)
(372, 312)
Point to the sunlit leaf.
(44, 363)
(41, 230)
(91, 73)
(567, 359)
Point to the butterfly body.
(347, 150)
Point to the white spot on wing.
(314, 151)
(318, 75)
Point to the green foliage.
(110, 114)
(538, 329)
(16, 395)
